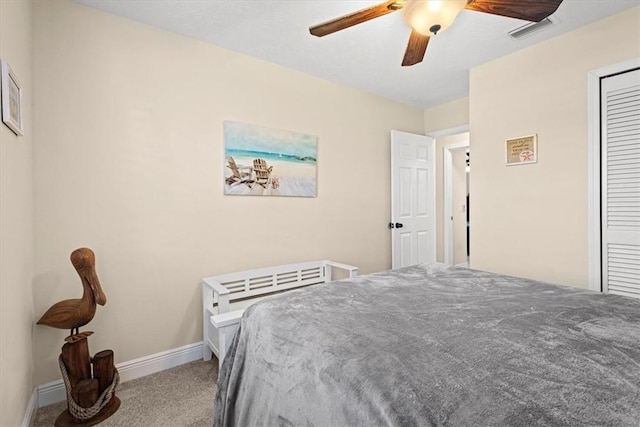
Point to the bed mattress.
(434, 345)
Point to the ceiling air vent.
(529, 28)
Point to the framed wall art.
(522, 150)
(11, 103)
(261, 161)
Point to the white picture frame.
(11, 93)
(521, 151)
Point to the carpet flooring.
(181, 396)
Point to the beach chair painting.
(263, 172)
(239, 175)
(268, 162)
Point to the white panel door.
(413, 199)
(620, 100)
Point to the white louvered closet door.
(620, 159)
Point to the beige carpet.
(182, 396)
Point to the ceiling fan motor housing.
(431, 16)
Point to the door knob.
(399, 225)
(396, 225)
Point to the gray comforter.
(434, 345)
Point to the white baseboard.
(54, 391)
(31, 409)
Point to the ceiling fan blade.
(416, 49)
(356, 18)
(534, 11)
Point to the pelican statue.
(73, 313)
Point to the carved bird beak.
(98, 294)
(83, 260)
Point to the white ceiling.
(366, 56)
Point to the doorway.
(620, 188)
(456, 170)
(413, 203)
(614, 173)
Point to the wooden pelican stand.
(91, 395)
(85, 388)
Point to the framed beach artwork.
(10, 91)
(522, 150)
(261, 161)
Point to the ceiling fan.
(426, 17)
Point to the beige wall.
(16, 224)
(451, 115)
(129, 161)
(531, 220)
(445, 117)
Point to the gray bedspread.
(434, 345)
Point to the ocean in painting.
(281, 157)
(289, 157)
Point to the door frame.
(594, 175)
(447, 198)
(448, 204)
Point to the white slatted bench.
(226, 296)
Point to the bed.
(434, 345)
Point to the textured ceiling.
(366, 56)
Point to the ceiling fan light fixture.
(431, 16)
